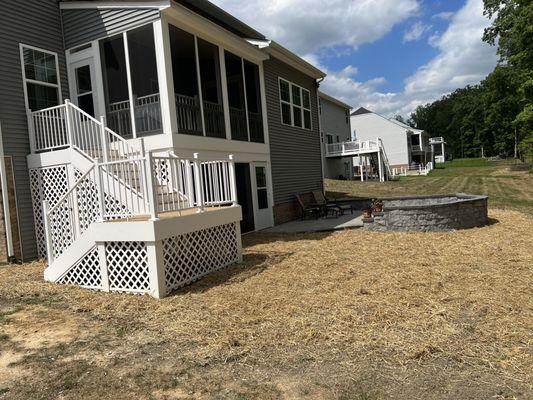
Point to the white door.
(83, 86)
(261, 196)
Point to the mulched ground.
(347, 315)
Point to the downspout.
(320, 138)
(5, 201)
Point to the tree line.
(494, 117)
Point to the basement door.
(244, 196)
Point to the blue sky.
(386, 55)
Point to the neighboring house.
(403, 144)
(178, 111)
(335, 126)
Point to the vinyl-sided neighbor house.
(403, 144)
(335, 126)
(142, 138)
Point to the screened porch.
(215, 92)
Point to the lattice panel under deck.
(189, 257)
(88, 207)
(86, 272)
(127, 265)
(46, 184)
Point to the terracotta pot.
(378, 208)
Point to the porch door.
(83, 85)
(262, 210)
(244, 196)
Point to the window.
(295, 105)
(262, 192)
(41, 78)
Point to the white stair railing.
(384, 158)
(67, 125)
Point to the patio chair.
(320, 198)
(308, 208)
(327, 206)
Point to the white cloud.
(463, 59)
(306, 26)
(416, 32)
(445, 15)
(313, 28)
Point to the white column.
(104, 276)
(156, 269)
(361, 168)
(224, 84)
(443, 157)
(130, 87)
(165, 76)
(380, 165)
(198, 183)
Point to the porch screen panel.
(237, 107)
(144, 81)
(253, 99)
(185, 81)
(208, 58)
(116, 86)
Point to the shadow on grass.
(253, 264)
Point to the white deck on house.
(346, 221)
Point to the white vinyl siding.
(295, 105)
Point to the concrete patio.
(346, 221)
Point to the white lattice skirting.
(156, 268)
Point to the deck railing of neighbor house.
(354, 146)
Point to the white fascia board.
(77, 5)
(191, 22)
(288, 57)
(334, 100)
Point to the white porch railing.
(143, 186)
(418, 169)
(351, 147)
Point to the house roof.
(361, 110)
(333, 100)
(217, 15)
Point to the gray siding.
(334, 120)
(295, 152)
(82, 26)
(36, 23)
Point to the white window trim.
(25, 80)
(292, 105)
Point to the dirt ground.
(348, 315)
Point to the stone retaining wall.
(430, 213)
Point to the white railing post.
(342, 148)
(68, 123)
(103, 139)
(150, 187)
(198, 183)
(189, 183)
(48, 233)
(100, 188)
(232, 181)
(31, 131)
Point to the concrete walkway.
(346, 221)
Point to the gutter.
(5, 201)
(320, 138)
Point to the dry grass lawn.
(349, 315)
